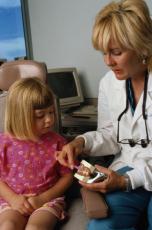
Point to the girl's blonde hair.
(23, 98)
(128, 23)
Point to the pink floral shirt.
(30, 167)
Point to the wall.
(61, 37)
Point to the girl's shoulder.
(54, 137)
(5, 139)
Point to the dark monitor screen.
(63, 84)
(66, 85)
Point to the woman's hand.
(113, 181)
(21, 204)
(69, 152)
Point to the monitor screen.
(66, 85)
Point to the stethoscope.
(143, 142)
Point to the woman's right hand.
(70, 151)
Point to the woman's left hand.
(113, 181)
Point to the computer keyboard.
(85, 110)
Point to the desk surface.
(78, 121)
(69, 120)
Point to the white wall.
(61, 37)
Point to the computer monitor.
(66, 85)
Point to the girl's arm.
(56, 191)
(6, 192)
(17, 202)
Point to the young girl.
(32, 182)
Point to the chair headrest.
(14, 70)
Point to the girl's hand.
(36, 201)
(69, 152)
(21, 204)
(113, 181)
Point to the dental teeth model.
(88, 173)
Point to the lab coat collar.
(150, 82)
(122, 83)
(120, 86)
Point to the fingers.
(97, 187)
(66, 157)
(21, 211)
(103, 169)
(70, 152)
(29, 208)
(100, 186)
(71, 159)
(24, 211)
(59, 156)
(111, 183)
(62, 157)
(24, 207)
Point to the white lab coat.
(111, 102)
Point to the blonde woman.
(123, 34)
(32, 182)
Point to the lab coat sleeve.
(141, 175)
(103, 141)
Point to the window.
(14, 30)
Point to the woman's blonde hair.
(23, 98)
(128, 23)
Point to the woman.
(123, 33)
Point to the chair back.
(15, 70)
